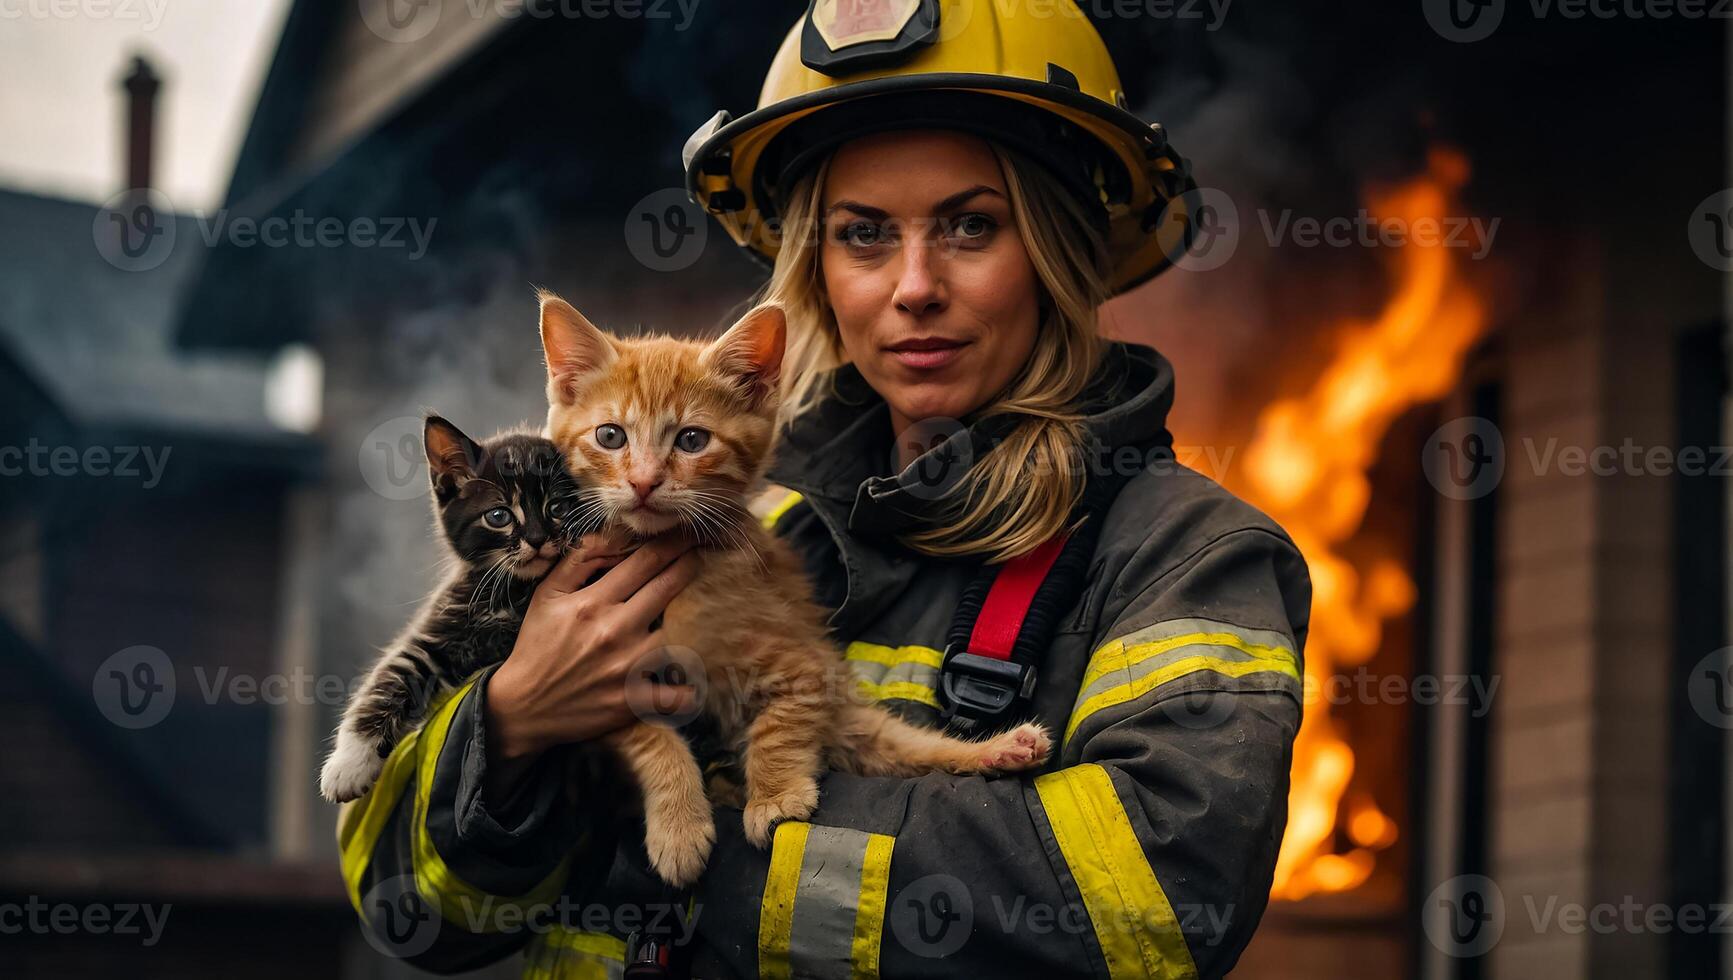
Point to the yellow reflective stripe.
(360, 822)
(782, 507)
(1108, 659)
(894, 656)
(458, 901)
(566, 954)
(869, 917)
(1114, 657)
(900, 691)
(1135, 925)
(891, 658)
(776, 915)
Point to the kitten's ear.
(750, 353)
(574, 347)
(452, 457)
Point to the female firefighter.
(945, 192)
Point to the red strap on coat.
(1009, 598)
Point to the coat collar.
(840, 456)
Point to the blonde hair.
(1022, 491)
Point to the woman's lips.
(926, 353)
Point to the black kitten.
(508, 509)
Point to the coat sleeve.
(1146, 851)
(444, 881)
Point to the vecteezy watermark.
(653, 678)
(407, 21)
(302, 230)
(1464, 917)
(666, 231)
(1365, 230)
(124, 462)
(392, 459)
(1466, 21)
(147, 12)
(934, 915)
(1424, 690)
(1711, 230)
(136, 230)
(1211, 12)
(35, 916)
(1466, 458)
(135, 687)
(1467, 915)
(402, 923)
(1710, 688)
(1213, 230)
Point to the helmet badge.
(842, 36)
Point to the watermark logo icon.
(135, 687)
(135, 230)
(1710, 688)
(1464, 917)
(1199, 710)
(1212, 234)
(392, 460)
(932, 916)
(402, 924)
(665, 231)
(941, 452)
(1464, 459)
(401, 21)
(651, 678)
(1711, 230)
(1463, 21)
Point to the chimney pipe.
(141, 88)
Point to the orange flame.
(1307, 468)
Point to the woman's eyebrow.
(879, 214)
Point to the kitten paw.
(762, 815)
(1023, 747)
(350, 770)
(679, 850)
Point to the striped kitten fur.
(505, 508)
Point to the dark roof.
(96, 336)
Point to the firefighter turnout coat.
(1144, 849)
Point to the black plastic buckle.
(980, 691)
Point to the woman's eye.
(973, 225)
(859, 234)
(498, 517)
(692, 440)
(610, 436)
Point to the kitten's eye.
(498, 517)
(610, 436)
(557, 509)
(692, 440)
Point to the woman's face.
(934, 294)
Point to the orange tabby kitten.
(662, 434)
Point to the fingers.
(640, 567)
(653, 597)
(576, 566)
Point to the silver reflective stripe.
(821, 941)
(1141, 668)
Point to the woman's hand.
(567, 677)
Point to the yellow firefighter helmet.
(851, 67)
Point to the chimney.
(141, 88)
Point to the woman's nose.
(919, 287)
